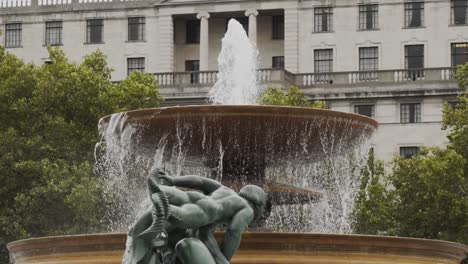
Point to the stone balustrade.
(382, 76)
(5, 4)
(283, 78)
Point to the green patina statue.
(180, 225)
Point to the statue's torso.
(221, 205)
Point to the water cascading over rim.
(308, 160)
(270, 146)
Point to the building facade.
(389, 59)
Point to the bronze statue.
(180, 226)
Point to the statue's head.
(256, 196)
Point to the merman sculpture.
(179, 227)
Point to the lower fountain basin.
(256, 247)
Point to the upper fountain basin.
(266, 133)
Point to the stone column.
(204, 40)
(166, 44)
(252, 14)
(291, 39)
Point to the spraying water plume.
(237, 79)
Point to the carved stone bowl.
(256, 247)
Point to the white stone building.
(390, 59)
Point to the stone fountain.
(306, 159)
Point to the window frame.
(356, 107)
(453, 21)
(48, 30)
(16, 32)
(410, 119)
(318, 60)
(319, 13)
(90, 34)
(364, 73)
(452, 54)
(194, 74)
(364, 13)
(321, 76)
(190, 37)
(416, 152)
(414, 73)
(407, 56)
(140, 68)
(139, 26)
(409, 8)
(453, 104)
(275, 60)
(277, 27)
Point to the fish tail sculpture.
(160, 212)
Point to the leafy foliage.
(292, 97)
(48, 129)
(431, 193)
(456, 119)
(425, 196)
(374, 200)
(461, 75)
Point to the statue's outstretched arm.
(207, 237)
(232, 236)
(195, 182)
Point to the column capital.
(252, 12)
(203, 14)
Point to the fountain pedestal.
(256, 247)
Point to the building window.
(192, 33)
(368, 17)
(459, 11)
(193, 66)
(414, 14)
(368, 62)
(323, 65)
(366, 110)
(94, 29)
(414, 56)
(459, 53)
(135, 64)
(244, 21)
(410, 113)
(277, 27)
(277, 62)
(409, 152)
(453, 104)
(323, 60)
(414, 61)
(323, 19)
(13, 33)
(136, 28)
(53, 33)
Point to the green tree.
(48, 130)
(292, 97)
(427, 195)
(431, 195)
(374, 200)
(456, 118)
